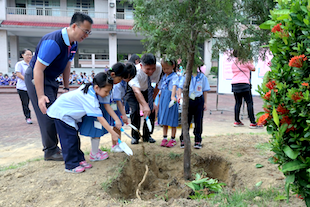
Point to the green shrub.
(214, 70)
(285, 91)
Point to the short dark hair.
(133, 58)
(148, 59)
(101, 79)
(79, 18)
(131, 69)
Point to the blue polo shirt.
(54, 51)
(198, 84)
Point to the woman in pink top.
(242, 89)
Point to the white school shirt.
(72, 106)
(198, 84)
(21, 67)
(141, 79)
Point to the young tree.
(175, 28)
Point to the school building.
(24, 22)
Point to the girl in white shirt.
(69, 109)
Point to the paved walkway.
(20, 141)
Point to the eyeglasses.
(28, 55)
(85, 31)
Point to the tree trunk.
(185, 124)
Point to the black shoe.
(150, 140)
(134, 141)
(55, 157)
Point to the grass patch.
(263, 147)
(174, 156)
(259, 197)
(18, 165)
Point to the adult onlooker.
(241, 87)
(53, 57)
(20, 69)
(141, 92)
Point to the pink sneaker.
(78, 169)
(164, 143)
(171, 143)
(99, 156)
(85, 165)
(238, 124)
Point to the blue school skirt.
(87, 126)
(167, 116)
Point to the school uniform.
(89, 126)
(54, 51)
(68, 111)
(168, 116)
(21, 67)
(118, 93)
(198, 85)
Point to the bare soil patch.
(229, 158)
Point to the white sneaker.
(116, 148)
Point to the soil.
(229, 158)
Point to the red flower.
(305, 84)
(262, 119)
(282, 110)
(296, 96)
(267, 95)
(287, 120)
(271, 84)
(277, 28)
(266, 110)
(297, 61)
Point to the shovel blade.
(125, 148)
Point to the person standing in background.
(20, 69)
(241, 87)
(53, 57)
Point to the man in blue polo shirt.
(53, 57)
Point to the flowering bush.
(285, 91)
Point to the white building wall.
(14, 50)
(3, 6)
(112, 49)
(208, 55)
(4, 56)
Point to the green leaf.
(264, 26)
(280, 197)
(285, 16)
(290, 153)
(306, 21)
(275, 116)
(294, 165)
(282, 11)
(259, 165)
(259, 183)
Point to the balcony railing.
(54, 12)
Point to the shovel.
(125, 147)
(135, 128)
(148, 124)
(122, 130)
(171, 103)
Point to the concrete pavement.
(20, 141)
